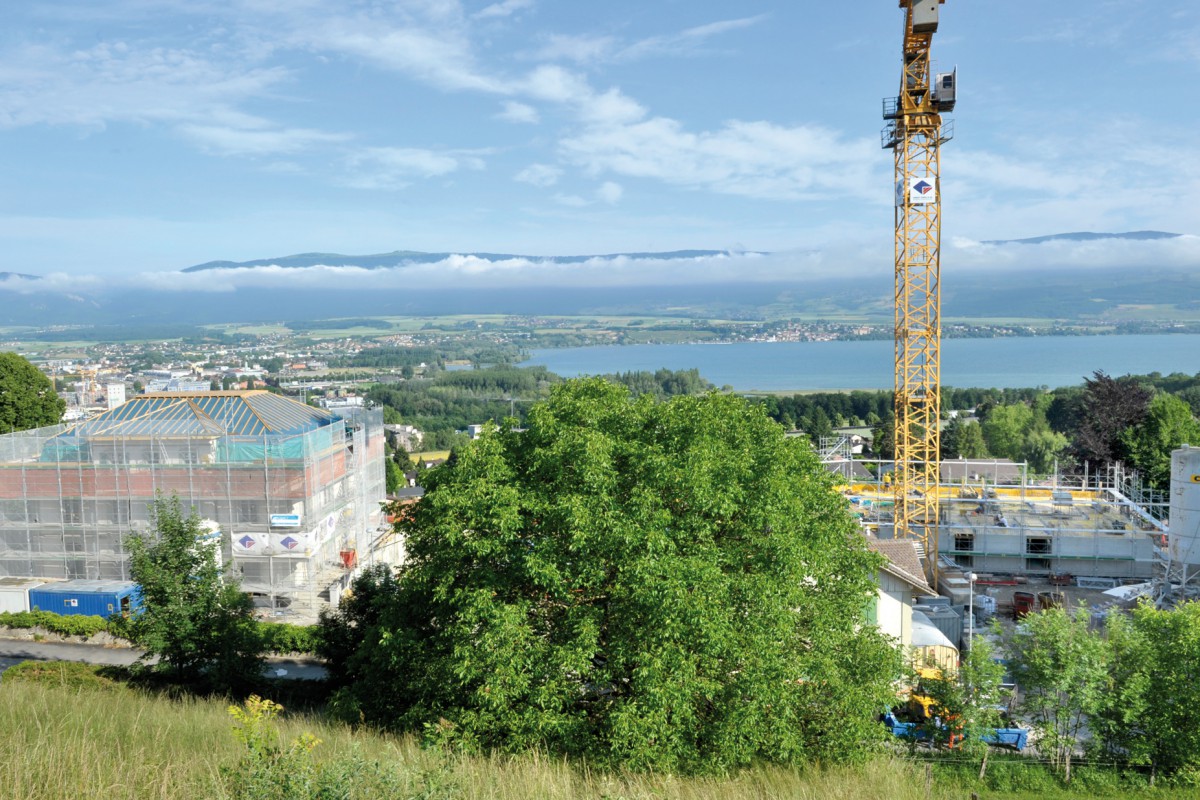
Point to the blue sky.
(143, 136)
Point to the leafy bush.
(280, 637)
(70, 625)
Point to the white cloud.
(397, 167)
(557, 85)
(755, 159)
(518, 271)
(839, 259)
(503, 9)
(124, 83)
(610, 108)
(582, 49)
(590, 48)
(441, 57)
(571, 200)
(610, 193)
(686, 42)
(1057, 184)
(61, 282)
(1179, 253)
(519, 112)
(540, 175)
(243, 142)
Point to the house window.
(964, 541)
(1037, 547)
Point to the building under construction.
(288, 490)
(993, 519)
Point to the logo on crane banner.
(920, 192)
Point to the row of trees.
(1106, 420)
(450, 401)
(1136, 420)
(1125, 692)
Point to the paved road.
(13, 652)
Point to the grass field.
(65, 735)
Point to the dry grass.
(83, 742)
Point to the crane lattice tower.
(915, 133)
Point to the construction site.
(961, 516)
(1038, 529)
(288, 493)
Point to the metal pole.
(971, 576)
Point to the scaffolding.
(292, 501)
(994, 519)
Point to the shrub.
(280, 637)
(70, 674)
(272, 770)
(70, 625)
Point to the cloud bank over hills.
(1062, 276)
(413, 270)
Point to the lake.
(796, 366)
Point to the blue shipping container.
(87, 598)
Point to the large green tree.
(1167, 425)
(1062, 669)
(1005, 428)
(1150, 715)
(1106, 408)
(670, 585)
(963, 439)
(194, 619)
(27, 398)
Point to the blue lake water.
(785, 366)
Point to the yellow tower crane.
(914, 133)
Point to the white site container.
(1185, 506)
(14, 594)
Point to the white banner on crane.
(918, 191)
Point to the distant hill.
(1141, 289)
(402, 257)
(1087, 236)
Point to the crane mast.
(914, 133)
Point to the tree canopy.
(27, 397)
(1107, 407)
(1167, 425)
(1151, 717)
(200, 626)
(669, 585)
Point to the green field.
(66, 733)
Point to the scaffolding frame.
(293, 509)
(1000, 521)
